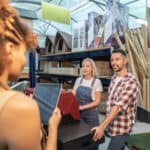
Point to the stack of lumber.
(137, 45)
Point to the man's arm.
(99, 130)
(125, 98)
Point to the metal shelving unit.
(100, 54)
(96, 54)
(65, 78)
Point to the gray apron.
(83, 93)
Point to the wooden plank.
(140, 101)
(144, 89)
(121, 46)
(133, 48)
(136, 54)
(141, 54)
(149, 37)
(144, 32)
(148, 15)
(148, 67)
(133, 65)
(136, 64)
(138, 51)
(148, 91)
(146, 59)
(130, 58)
(148, 98)
(140, 39)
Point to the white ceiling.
(79, 10)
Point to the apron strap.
(93, 81)
(92, 84)
(81, 80)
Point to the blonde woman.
(88, 90)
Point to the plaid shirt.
(124, 95)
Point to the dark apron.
(83, 93)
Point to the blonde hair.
(94, 71)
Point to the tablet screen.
(47, 95)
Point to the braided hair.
(13, 29)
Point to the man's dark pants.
(118, 142)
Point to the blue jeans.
(118, 142)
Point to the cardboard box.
(63, 71)
(46, 65)
(103, 68)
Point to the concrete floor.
(139, 127)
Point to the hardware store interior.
(76, 68)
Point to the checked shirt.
(123, 93)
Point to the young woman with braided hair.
(19, 114)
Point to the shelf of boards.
(105, 80)
(97, 54)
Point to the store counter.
(76, 136)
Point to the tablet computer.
(47, 96)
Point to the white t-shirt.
(96, 87)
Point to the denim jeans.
(118, 142)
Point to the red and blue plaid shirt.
(124, 95)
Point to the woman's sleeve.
(98, 85)
(76, 84)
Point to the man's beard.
(117, 69)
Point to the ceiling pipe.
(128, 3)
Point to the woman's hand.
(53, 129)
(81, 108)
(55, 119)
